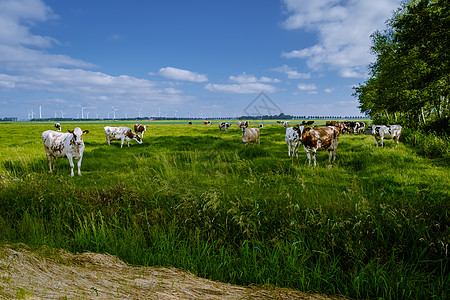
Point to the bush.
(430, 144)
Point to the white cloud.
(245, 84)
(291, 72)
(343, 28)
(244, 88)
(307, 87)
(180, 74)
(245, 78)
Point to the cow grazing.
(58, 126)
(190, 123)
(121, 133)
(207, 123)
(261, 125)
(70, 145)
(292, 140)
(140, 129)
(224, 125)
(318, 138)
(249, 135)
(286, 124)
(381, 132)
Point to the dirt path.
(56, 274)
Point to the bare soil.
(46, 273)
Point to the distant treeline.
(8, 119)
(266, 117)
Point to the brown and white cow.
(207, 123)
(140, 129)
(318, 138)
(70, 145)
(339, 125)
(122, 134)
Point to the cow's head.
(133, 136)
(299, 129)
(77, 134)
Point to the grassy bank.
(374, 226)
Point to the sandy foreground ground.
(46, 273)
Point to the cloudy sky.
(196, 58)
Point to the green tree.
(410, 77)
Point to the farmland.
(374, 225)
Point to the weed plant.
(375, 225)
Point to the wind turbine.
(139, 111)
(87, 115)
(114, 110)
(62, 113)
(40, 112)
(32, 114)
(82, 111)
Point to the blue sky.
(198, 58)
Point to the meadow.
(375, 225)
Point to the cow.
(140, 129)
(121, 133)
(224, 125)
(58, 126)
(339, 125)
(355, 126)
(381, 132)
(249, 135)
(70, 145)
(207, 123)
(261, 125)
(359, 127)
(318, 138)
(304, 123)
(286, 124)
(243, 124)
(190, 123)
(292, 140)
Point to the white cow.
(292, 140)
(381, 132)
(122, 134)
(249, 135)
(70, 145)
(58, 126)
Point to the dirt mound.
(47, 273)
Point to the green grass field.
(375, 225)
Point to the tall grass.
(374, 226)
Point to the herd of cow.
(313, 139)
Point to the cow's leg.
(396, 140)
(49, 162)
(308, 155)
(381, 140)
(79, 165)
(376, 141)
(122, 140)
(314, 158)
(69, 157)
(289, 150)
